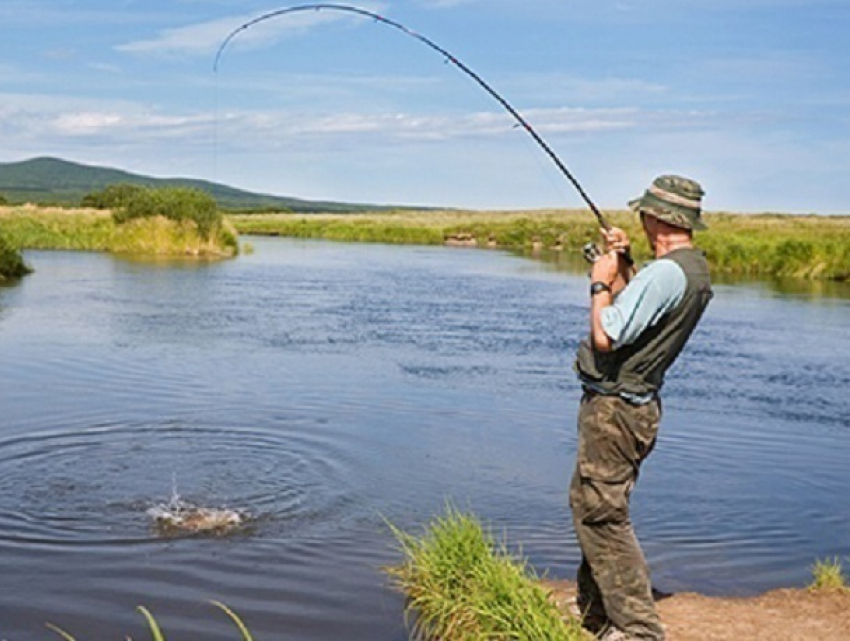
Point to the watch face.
(597, 287)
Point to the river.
(325, 388)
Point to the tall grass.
(828, 575)
(160, 236)
(31, 227)
(155, 629)
(94, 230)
(765, 245)
(462, 585)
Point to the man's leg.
(589, 600)
(614, 438)
(621, 574)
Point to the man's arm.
(657, 289)
(606, 270)
(614, 271)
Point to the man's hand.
(616, 240)
(606, 269)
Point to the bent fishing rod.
(449, 57)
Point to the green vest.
(639, 368)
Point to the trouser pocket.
(614, 438)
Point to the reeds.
(463, 586)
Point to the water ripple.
(95, 486)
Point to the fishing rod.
(449, 57)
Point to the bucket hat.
(675, 200)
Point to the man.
(638, 327)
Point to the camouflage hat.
(673, 199)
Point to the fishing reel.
(591, 252)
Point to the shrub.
(12, 264)
(3, 200)
(175, 203)
(112, 197)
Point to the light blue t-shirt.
(654, 291)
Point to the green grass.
(811, 248)
(29, 227)
(52, 228)
(828, 575)
(461, 585)
(764, 245)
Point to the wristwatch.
(599, 286)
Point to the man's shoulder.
(662, 269)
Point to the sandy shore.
(779, 615)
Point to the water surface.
(322, 388)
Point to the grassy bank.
(461, 585)
(768, 245)
(803, 247)
(31, 227)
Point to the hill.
(52, 181)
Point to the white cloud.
(249, 129)
(206, 37)
(39, 117)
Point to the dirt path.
(780, 615)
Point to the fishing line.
(449, 57)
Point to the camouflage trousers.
(613, 579)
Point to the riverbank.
(462, 583)
(814, 248)
(799, 614)
(763, 245)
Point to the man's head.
(673, 200)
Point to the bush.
(175, 203)
(12, 264)
(3, 200)
(112, 197)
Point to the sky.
(749, 97)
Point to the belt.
(632, 399)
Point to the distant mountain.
(60, 182)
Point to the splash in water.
(179, 515)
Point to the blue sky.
(750, 97)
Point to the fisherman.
(638, 327)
